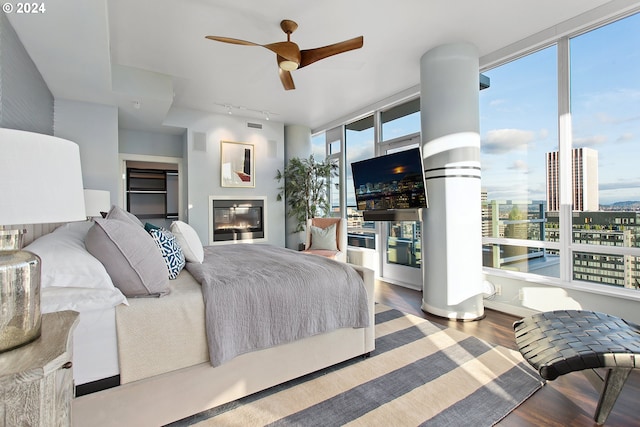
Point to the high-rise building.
(615, 228)
(584, 174)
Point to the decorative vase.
(20, 317)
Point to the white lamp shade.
(96, 201)
(40, 179)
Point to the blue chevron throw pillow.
(171, 251)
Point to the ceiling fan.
(289, 55)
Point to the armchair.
(327, 237)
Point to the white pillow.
(188, 240)
(323, 238)
(56, 298)
(65, 261)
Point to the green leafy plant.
(306, 188)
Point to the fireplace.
(233, 220)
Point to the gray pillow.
(117, 212)
(130, 256)
(323, 238)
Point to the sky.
(519, 123)
(518, 115)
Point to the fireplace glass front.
(237, 219)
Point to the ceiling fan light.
(287, 65)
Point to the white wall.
(94, 128)
(203, 172)
(528, 294)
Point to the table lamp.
(96, 202)
(40, 182)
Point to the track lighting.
(230, 109)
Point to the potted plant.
(306, 188)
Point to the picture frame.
(237, 164)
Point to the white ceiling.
(116, 52)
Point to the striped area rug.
(420, 373)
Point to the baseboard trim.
(97, 385)
(508, 308)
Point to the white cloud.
(628, 136)
(543, 134)
(497, 102)
(591, 141)
(519, 165)
(620, 184)
(500, 141)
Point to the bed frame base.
(175, 395)
(99, 385)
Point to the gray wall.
(150, 143)
(94, 128)
(203, 172)
(25, 100)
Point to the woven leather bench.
(558, 342)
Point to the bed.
(159, 346)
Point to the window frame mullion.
(565, 159)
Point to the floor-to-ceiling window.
(605, 116)
(334, 144)
(518, 127)
(319, 146)
(400, 120)
(560, 142)
(402, 240)
(359, 145)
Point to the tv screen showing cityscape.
(392, 181)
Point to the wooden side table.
(36, 380)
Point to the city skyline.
(519, 117)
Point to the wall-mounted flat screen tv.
(390, 187)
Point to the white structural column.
(452, 225)
(297, 143)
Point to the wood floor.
(569, 400)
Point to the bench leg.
(613, 383)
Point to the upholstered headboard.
(33, 230)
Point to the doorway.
(152, 188)
(401, 251)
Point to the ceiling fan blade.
(286, 79)
(232, 41)
(288, 50)
(309, 56)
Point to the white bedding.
(72, 279)
(95, 343)
(136, 338)
(95, 355)
(157, 335)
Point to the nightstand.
(36, 380)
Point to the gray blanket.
(259, 296)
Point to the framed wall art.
(237, 164)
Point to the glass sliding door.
(401, 240)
